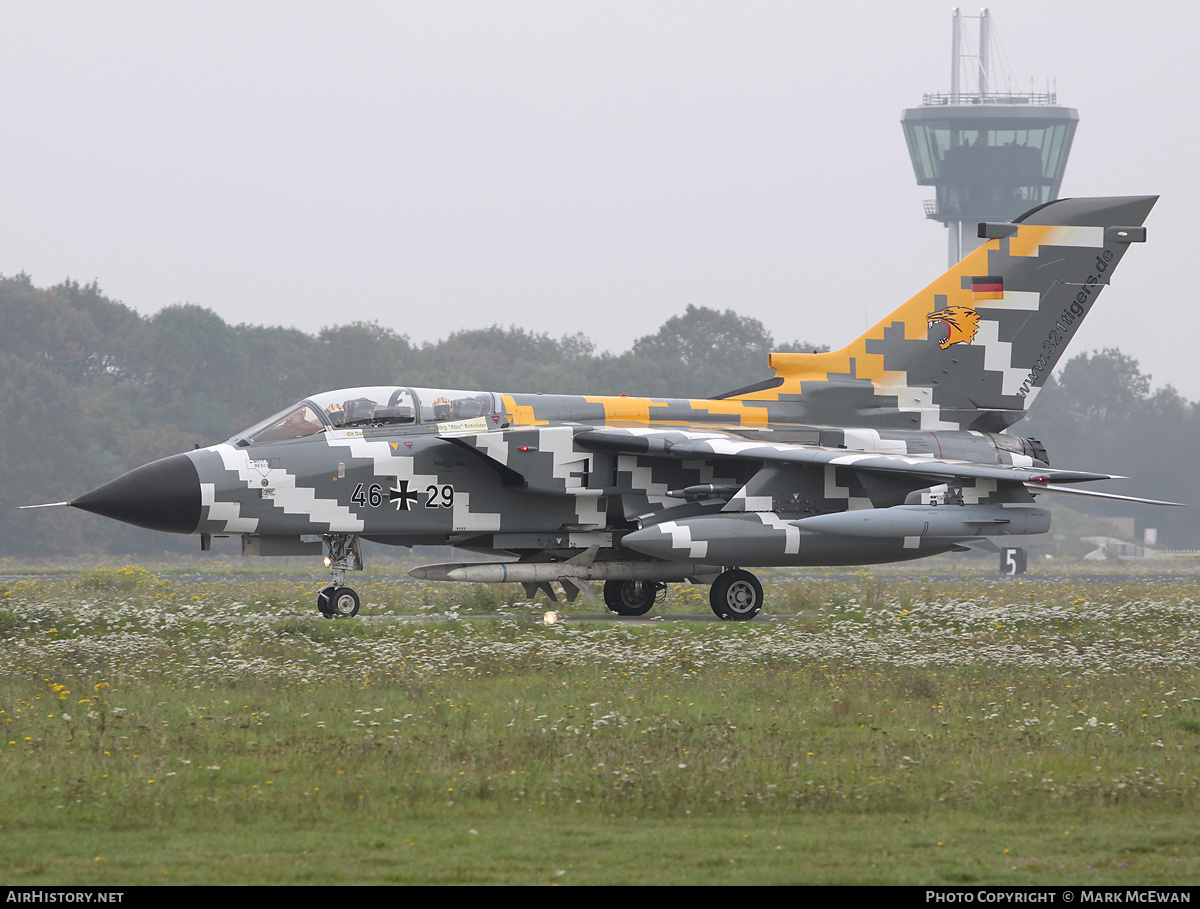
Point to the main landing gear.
(632, 597)
(736, 596)
(335, 599)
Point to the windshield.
(295, 423)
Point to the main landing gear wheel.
(337, 602)
(631, 597)
(736, 595)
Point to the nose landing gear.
(335, 599)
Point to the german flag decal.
(989, 287)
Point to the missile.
(436, 572)
(540, 572)
(949, 521)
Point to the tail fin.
(973, 348)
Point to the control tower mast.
(990, 155)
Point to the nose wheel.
(337, 602)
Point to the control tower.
(989, 155)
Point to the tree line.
(89, 388)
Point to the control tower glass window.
(978, 163)
(1004, 149)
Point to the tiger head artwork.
(958, 323)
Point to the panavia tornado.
(895, 447)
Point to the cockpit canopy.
(353, 408)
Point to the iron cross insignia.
(402, 496)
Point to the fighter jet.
(898, 446)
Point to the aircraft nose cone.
(162, 495)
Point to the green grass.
(904, 731)
(457, 847)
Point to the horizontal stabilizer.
(1093, 494)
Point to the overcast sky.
(560, 166)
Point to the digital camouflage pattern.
(893, 447)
